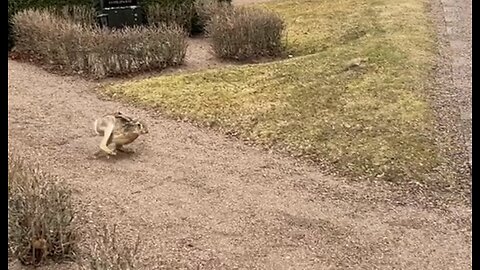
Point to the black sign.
(120, 3)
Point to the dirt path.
(200, 200)
(200, 56)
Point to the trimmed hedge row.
(181, 12)
(76, 48)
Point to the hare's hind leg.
(107, 138)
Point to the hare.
(119, 130)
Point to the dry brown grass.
(245, 33)
(41, 215)
(109, 251)
(93, 51)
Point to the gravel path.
(201, 200)
(454, 74)
(458, 28)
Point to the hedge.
(193, 25)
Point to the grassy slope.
(366, 123)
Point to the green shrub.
(243, 33)
(41, 216)
(97, 52)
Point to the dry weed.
(107, 251)
(41, 215)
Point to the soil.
(202, 201)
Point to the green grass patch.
(372, 121)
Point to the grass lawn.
(370, 122)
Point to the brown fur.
(119, 130)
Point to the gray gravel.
(455, 28)
(203, 201)
(451, 89)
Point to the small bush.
(95, 51)
(205, 10)
(40, 215)
(171, 14)
(243, 33)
